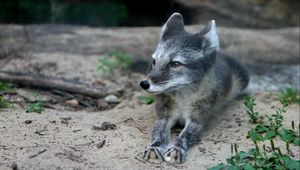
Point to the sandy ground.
(68, 140)
(62, 138)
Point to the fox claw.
(174, 155)
(153, 154)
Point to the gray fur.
(190, 92)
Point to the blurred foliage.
(95, 13)
(114, 60)
(146, 99)
(4, 103)
(35, 107)
(4, 87)
(290, 95)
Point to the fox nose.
(145, 84)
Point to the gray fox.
(190, 79)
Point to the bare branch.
(47, 82)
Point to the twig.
(40, 152)
(47, 82)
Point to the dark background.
(230, 13)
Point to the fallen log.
(54, 83)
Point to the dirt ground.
(65, 138)
(60, 139)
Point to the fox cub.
(190, 79)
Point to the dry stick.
(40, 152)
(48, 82)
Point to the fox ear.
(173, 26)
(211, 37)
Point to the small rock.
(14, 166)
(28, 121)
(202, 149)
(215, 142)
(108, 126)
(105, 126)
(52, 121)
(229, 126)
(72, 102)
(99, 83)
(76, 130)
(65, 119)
(97, 127)
(112, 99)
(101, 144)
(41, 132)
(102, 104)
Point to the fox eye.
(153, 62)
(175, 64)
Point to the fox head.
(181, 59)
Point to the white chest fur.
(182, 109)
(185, 98)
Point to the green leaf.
(260, 162)
(4, 87)
(114, 60)
(270, 134)
(243, 155)
(230, 161)
(260, 128)
(35, 107)
(289, 95)
(233, 167)
(4, 103)
(286, 135)
(291, 163)
(296, 141)
(146, 99)
(220, 166)
(248, 166)
(121, 57)
(254, 136)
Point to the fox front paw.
(174, 155)
(153, 154)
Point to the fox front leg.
(189, 136)
(160, 139)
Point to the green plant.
(114, 60)
(4, 87)
(290, 95)
(258, 157)
(35, 107)
(4, 103)
(146, 99)
(250, 104)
